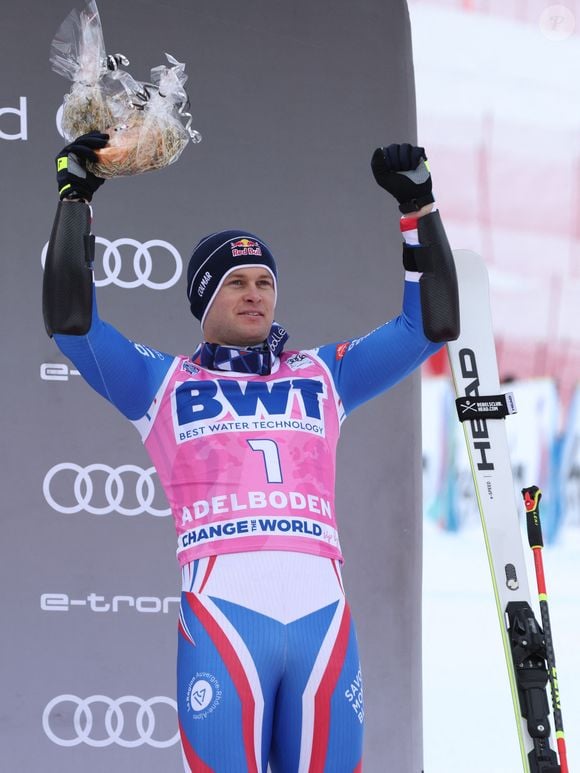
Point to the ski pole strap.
(485, 407)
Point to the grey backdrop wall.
(291, 98)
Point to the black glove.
(74, 179)
(401, 170)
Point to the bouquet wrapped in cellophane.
(147, 123)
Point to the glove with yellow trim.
(403, 172)
(74, 179)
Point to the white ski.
(476, 381)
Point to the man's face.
(243, 310)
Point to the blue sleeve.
(362, 368)
(125, 373)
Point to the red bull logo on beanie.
(242, 247)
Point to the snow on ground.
(469, 724)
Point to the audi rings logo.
(112, 489)
(106, 724)
(143, 256)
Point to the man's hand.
(74, 179)
(402, 171)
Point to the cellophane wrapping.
(147, 124)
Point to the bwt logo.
(202, 400)
(21, 116)
(99, 489)
(75, 721)
(141, 259)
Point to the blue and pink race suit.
(268, 665)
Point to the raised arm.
(363, 368)
(402, 170)
(125, 373)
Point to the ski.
(482, 410)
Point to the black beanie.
(216, 256)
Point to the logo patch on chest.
(201, 408)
